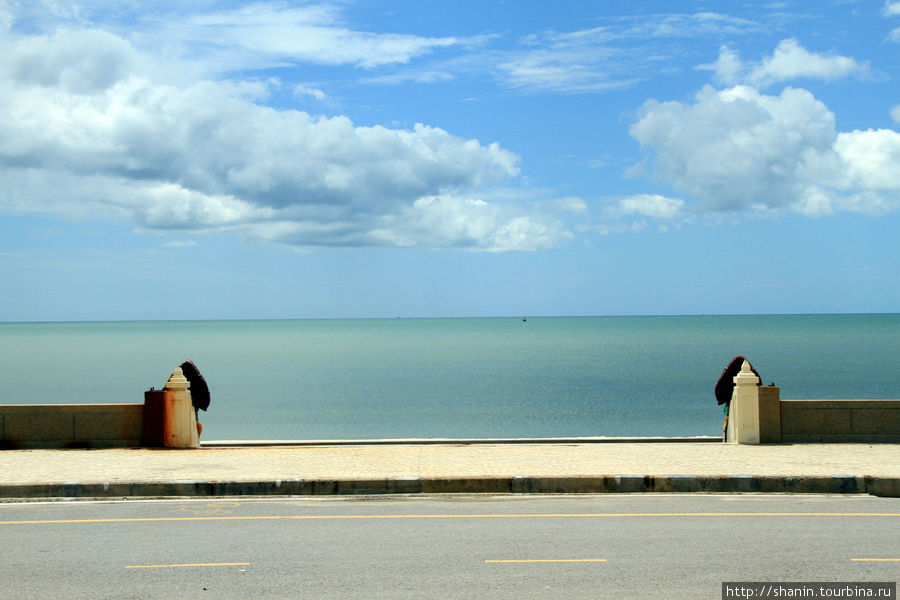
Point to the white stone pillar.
(745, 406)
(180, 422)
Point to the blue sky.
(207, 160)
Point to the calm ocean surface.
(486, 377)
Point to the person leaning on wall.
(725, 386)
(198, 388)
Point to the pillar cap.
(746, 376)
(177, 381)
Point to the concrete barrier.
(165, 419)
(840, 421)
(71, 425)
(758, 415)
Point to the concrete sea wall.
(71, 425)
(758, 415)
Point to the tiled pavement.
(414, 467)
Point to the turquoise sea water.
(485, 377)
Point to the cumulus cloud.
(788, 62)
(871, 159)
(80, 61)
(87, 131)
(738, 149)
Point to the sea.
(468, 378)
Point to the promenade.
(453, 466)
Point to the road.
(611, 546)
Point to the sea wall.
(71, 425)
(840, 421)
(165, 419)
(758, 415)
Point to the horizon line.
(411, 318)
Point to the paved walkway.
(574, 466)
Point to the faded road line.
(548, 560)
(875, 559)
(454, 516)
(225, 564)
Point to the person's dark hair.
(725, 385)
(198, 387)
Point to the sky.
(340, 159)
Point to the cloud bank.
(89, 132)
(147, 129)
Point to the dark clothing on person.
(725, 385)
(197, 384)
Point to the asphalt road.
(611, 546)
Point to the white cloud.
(467, 222)
(617, 54)
(250, 36)
(612, 56)
(892, 9)
(267, 32)
(728, 67)
(651, 205)
(301, 91)
(566, 64)
(895, 113)
(77, 61)
(571, 204)
(180, 244)
(738, 149)
(86, 132)
(872, 159)
(789, 61)
(681, 25)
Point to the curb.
(619, 484)
(462, 441)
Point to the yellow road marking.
(875, 559)
(549, 560)
(237, 564)
(457, 516)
